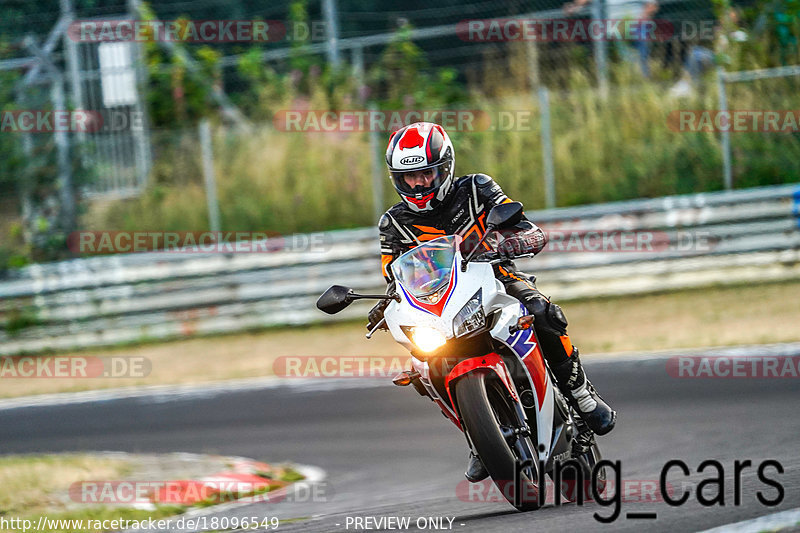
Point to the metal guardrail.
(748, 235)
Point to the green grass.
(32, 486)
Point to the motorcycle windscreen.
(426, 269)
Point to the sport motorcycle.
(474, 352)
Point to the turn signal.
(523, 322)
(404, 378)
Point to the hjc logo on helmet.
(412, 160)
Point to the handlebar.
(495, 258)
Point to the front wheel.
(486, 410)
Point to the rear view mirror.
(336, 298)
(504, 215)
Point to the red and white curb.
(313, 475)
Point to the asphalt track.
(390, 453)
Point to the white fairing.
(479, 275)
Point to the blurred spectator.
(700, 59)
(620, 10)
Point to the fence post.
(332, 31)
(534, 76)
(725, 134)
(65, 189)
(357, 57)
(547, 149)
(600, 49)
(71, 47)
(208, 174)
(378, 169)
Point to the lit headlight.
(471, 317)
(427, 339)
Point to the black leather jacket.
(462, 213)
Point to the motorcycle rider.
(421, 163)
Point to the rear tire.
(482, 418)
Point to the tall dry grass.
(605, 148)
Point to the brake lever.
(378, 325)
(503, 258)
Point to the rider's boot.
(582, 396)
(475, 470)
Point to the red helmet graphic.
(416, 147)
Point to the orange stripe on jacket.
(386, 259)
(429, 229)
(567, 344)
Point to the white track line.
(770, 522)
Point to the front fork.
(520, 438)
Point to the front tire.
(484, 407)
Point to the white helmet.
(420, 146)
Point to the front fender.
(490, 362)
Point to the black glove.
(376, 313)
(522, 243)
